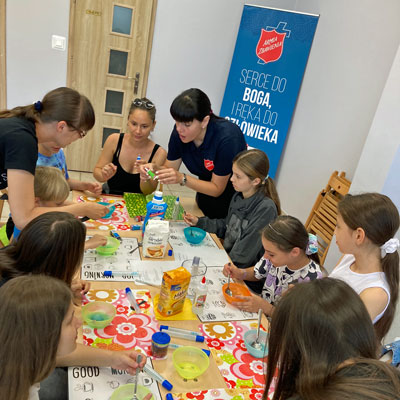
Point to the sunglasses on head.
(143, 103)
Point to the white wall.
(33, 67)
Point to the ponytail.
(270, 191)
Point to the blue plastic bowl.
(250, 336)
(111, 208)
(194, 235)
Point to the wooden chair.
(322, 219)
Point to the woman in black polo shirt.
(206, 144)
(63, 116)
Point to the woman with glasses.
(62, 117)
(206, 144)
(123, 153)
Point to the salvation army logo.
(270, 45)
(209, 164)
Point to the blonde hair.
(255, 164)
(50, 184)
(32, 310)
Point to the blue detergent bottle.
(156, 208)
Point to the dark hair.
(61, 104)
(255, 164)
(191, 104)
(142, 104)
(51, 244)
(316, 327)
(379, 218)
(32, 310)
(288, 232)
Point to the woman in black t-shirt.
(63, 116)
(206, 144)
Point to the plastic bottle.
(175, 211)
(156, 208)
(200, 297)
(194, 280)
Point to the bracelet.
(184, 180)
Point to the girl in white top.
(38, 324)
(366, 224)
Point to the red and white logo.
(270, 45)
(209, 164)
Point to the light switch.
(58, 42)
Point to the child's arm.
(253, 303)
(244, 274)
(95, 241)
(190, 219)
(90, 356)
(375, 300)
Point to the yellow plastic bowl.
(125, 392)
(190, 362)
(110, 248)
(98, 314)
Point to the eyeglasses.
(145, 103)
(81, 132)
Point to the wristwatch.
(184, 180)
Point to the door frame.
(71, 41)
(3, 54)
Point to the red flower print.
(214, 343)
(256, 394)
(241, 345)
(197, 395)
(128, 331)
(230, 384)
(87, 341)
(122, 309)
(249, 367)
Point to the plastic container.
(190, 362)
(237, 290)
(110, 248)
(110, 212)
(200, 297)
(194, 235)
(197, 270)
(125, 392)
(175, 210)
(249, 338)
(159, 344)
(156, 208)
(98, 314)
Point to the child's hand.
(95, 241)
(94, 187)
(126, 360)
(93, 210)
(190, 219)
(253, 303)
(232, 270)
(108, 171)
(79, 289)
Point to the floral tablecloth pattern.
(127, 330)
(222, 394)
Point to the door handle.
(136, 86)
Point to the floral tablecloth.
(221, 394)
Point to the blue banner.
(264, 80)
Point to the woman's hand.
(169, 176)
(94, 187)
(79, 288)
(190, 219)
(108, 171)
(95, 241)
(233, 271)
(144, 175)
(126, 360)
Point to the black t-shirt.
(18, 147)
(223, 140)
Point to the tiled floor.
(176, 190)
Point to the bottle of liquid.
(156, 208)
(200, 297)
(175, 210)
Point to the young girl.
(118, 163)
(254, 205)
(366, 225)
(52, 190)
(291, 255)
(323, 344)
(53, 244)
(38, 325)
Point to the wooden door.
(108, 59)
(3, 76)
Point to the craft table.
(213, 377)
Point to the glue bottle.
(175, 210)
(200, 297)
(156, 208)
